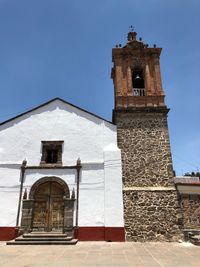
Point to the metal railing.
(139, 92)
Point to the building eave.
(50, 101)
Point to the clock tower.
(151, 205)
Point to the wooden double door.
(48, 213)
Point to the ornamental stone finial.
(24, 162)
(132, 36)
(78, 161)
(25, 194)
(73, 194)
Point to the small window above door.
(51, 152)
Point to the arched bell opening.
(138, 82)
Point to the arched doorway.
(48, 207)
(48, 213)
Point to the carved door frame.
(28, 205)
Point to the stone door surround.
(28, 205)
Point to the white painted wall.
(9, 194)
(113, 186)
(86, 136)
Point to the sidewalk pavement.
(101, 254)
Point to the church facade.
(60, 170)
(63, 169)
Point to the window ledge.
(44, 164)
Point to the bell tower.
(150, 199)
(136, 75)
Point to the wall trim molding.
(150, 188)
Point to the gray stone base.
(152, 214)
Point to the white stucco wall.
(85, 136)
(9, 194)
(113, 186)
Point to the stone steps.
(195, 239)
(43, 242)
(42, 238)
(192, 235)
(45, 235)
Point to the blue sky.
(61, 48)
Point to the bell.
(137, 77)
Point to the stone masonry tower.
(150, 198)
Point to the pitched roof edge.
(50, 101)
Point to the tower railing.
(139, 92)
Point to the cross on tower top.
(132, 28)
